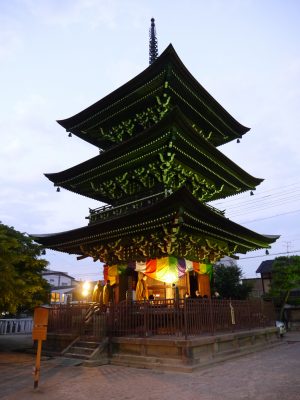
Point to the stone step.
(82, 350)
(86, 344)
(70, 354)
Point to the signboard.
(40, 323)
(39, 333)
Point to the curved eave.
(222, 164)
(250, 182)
(196, 217)
(73, 123)
(203, 93)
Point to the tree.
(22, 286)
(228, 282)
(285, 277)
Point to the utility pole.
(288, 245)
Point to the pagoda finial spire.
(153, 49)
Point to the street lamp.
(86, 287)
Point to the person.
(96, 302)
(198, 295)
(175, 291)
(141, 287)
(108, 294)
(186, 296)
(97, 293)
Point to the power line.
(262, 193)
(272, 216)
(255, 204)
(260, 204)
(259, 197)
(273, 254)
(270, 200)
(255, 212)
(276, 197)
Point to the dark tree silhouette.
(22, 286)
(228, 282)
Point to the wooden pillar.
(129, 290)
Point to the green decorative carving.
(166, 172)
(144, 119)
(165, 241)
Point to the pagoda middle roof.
(168, 71)
(190, 149)
(195, 218)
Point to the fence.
(78, 319)
(15, 326)
(184, 317)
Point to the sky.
(57, 57)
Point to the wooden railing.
(78, 319)
(11, 326)
(107, 211)
(184, 317)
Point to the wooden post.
(39, 333)
(37, 364)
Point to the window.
(55, 297)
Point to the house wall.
(58, 279)
(62, 286)
(257, 286)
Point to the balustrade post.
(262, 310)
(110, 319)
(250, 320)
(145, 312)
(185, 318)
(211, 317)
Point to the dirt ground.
(272, 374)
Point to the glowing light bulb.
(86, 288)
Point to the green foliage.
(227, 281)
(285, 277)
(22, 286)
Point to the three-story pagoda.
(158, 167)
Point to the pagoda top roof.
(167, 71)
(192, 216)
(191, 149)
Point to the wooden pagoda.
(158, 166)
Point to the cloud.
(33, 142)
(64, 55)
(91, 13)
(10, 38)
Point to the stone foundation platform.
(175, 354)
(172, 353)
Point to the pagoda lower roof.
(169, 75)
(173, 134)
(179, 216)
